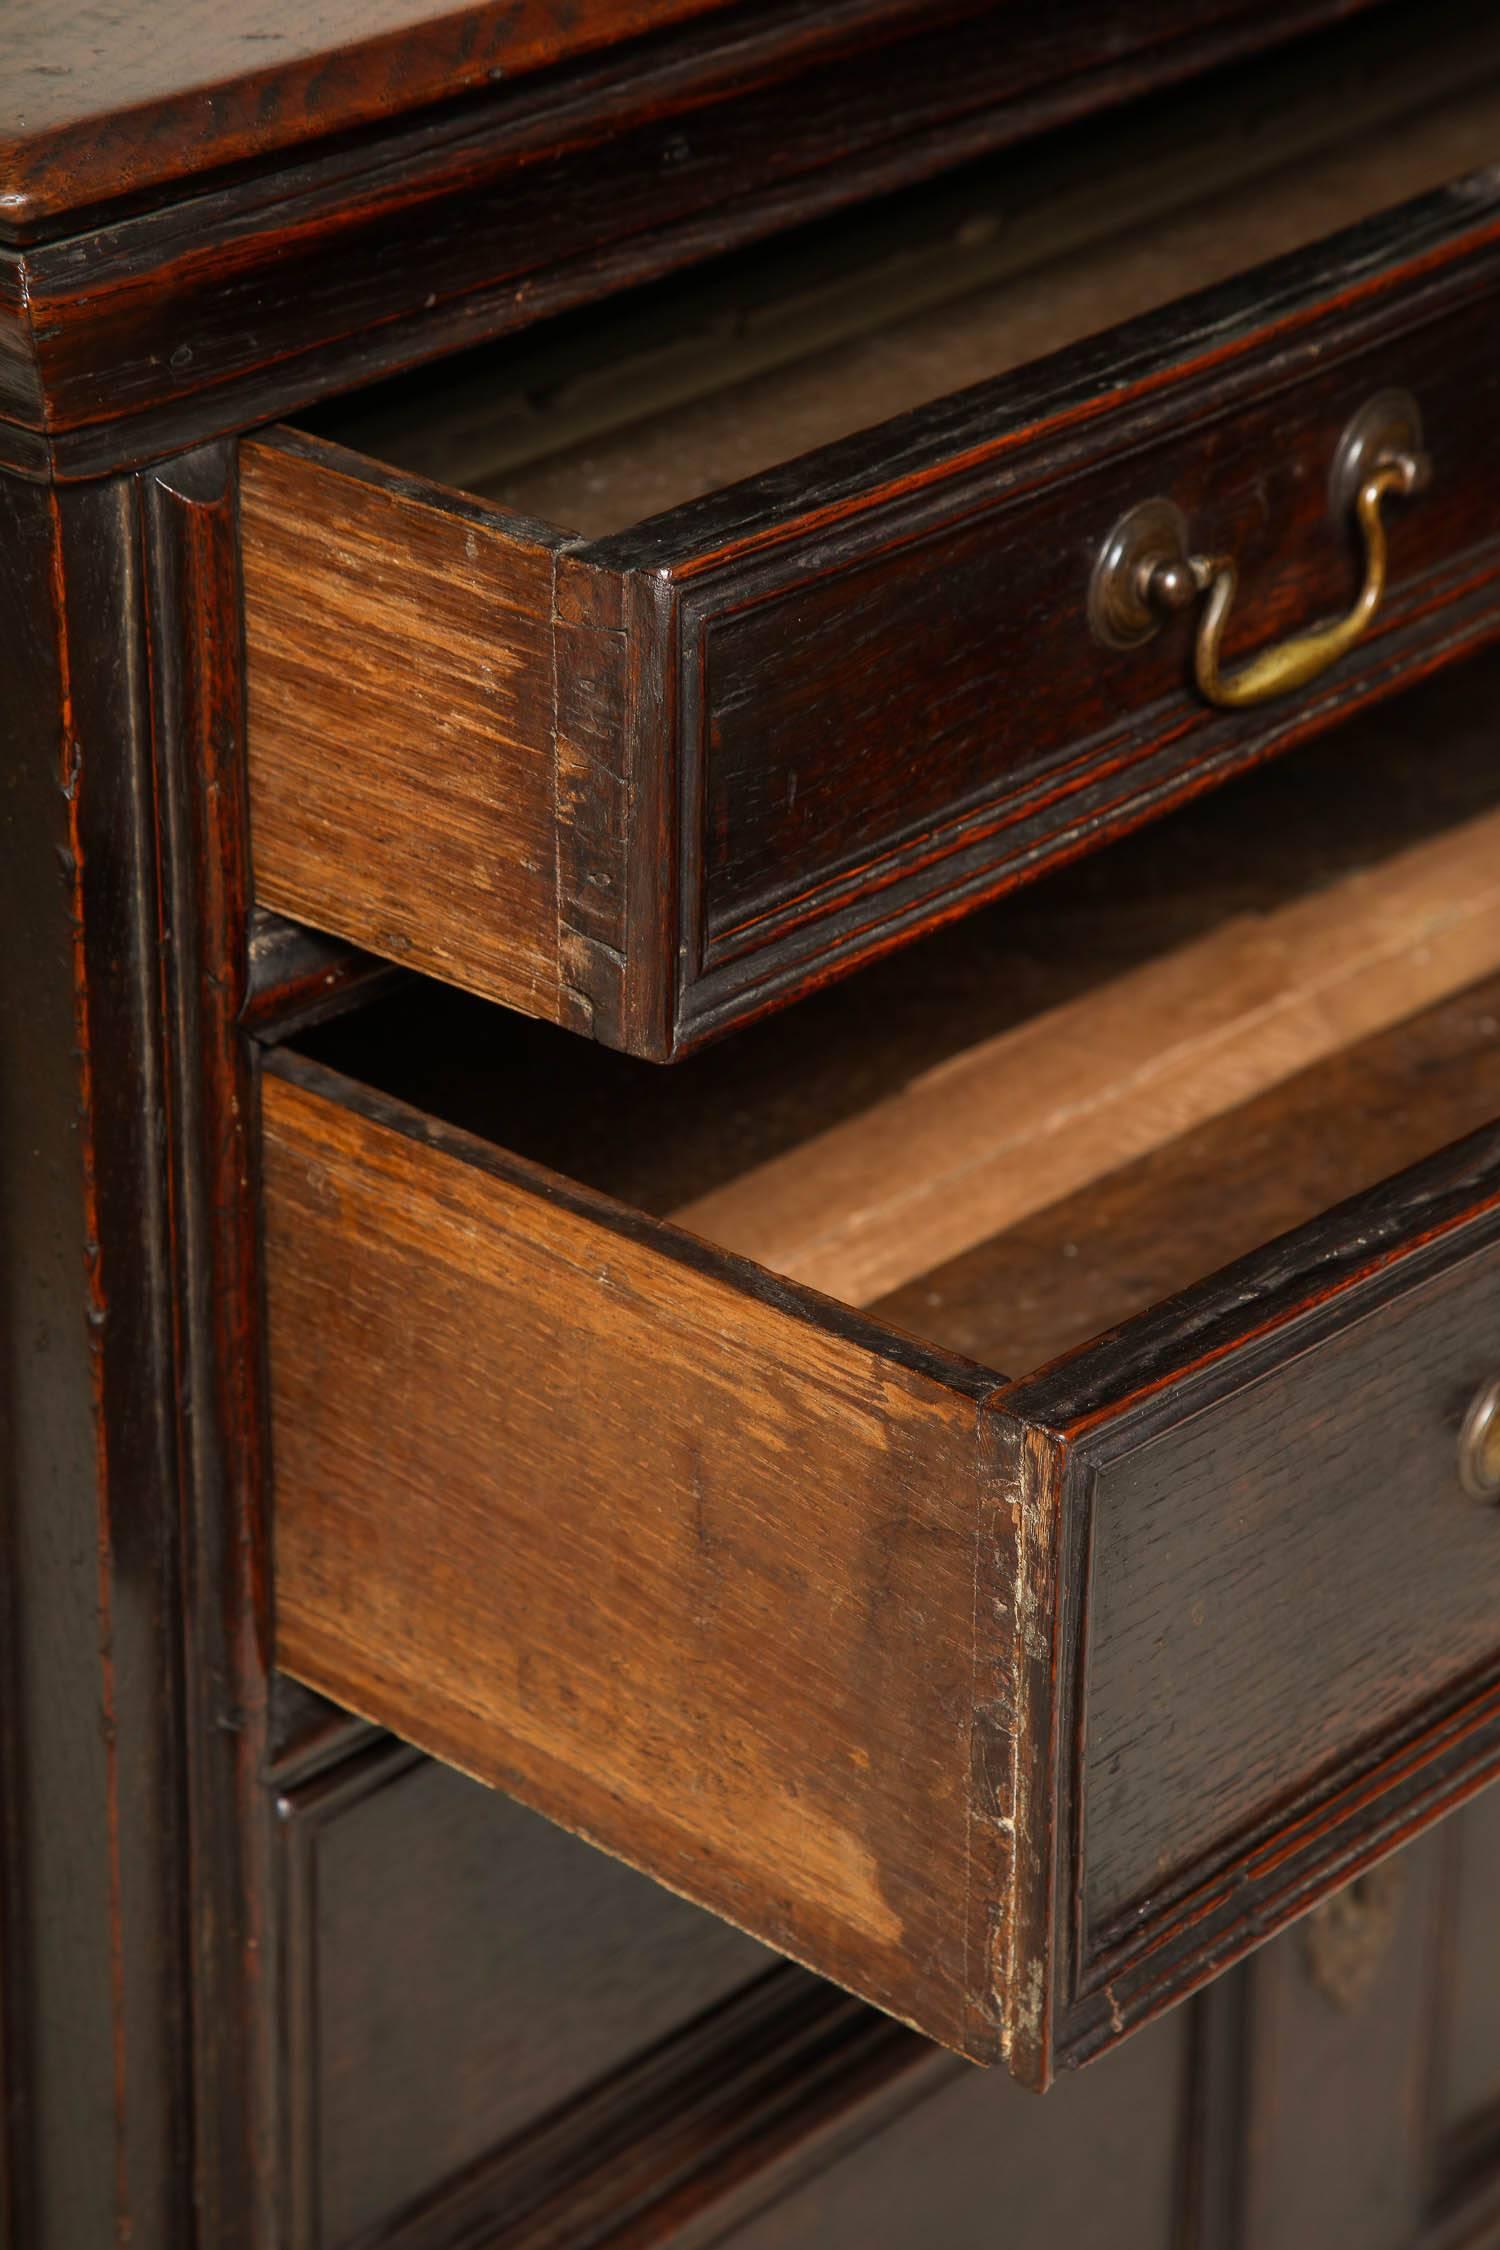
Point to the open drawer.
(1019, 1703)
(652, 725)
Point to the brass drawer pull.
(1146, 571)
(1479, 1444)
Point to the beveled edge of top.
(103, 103)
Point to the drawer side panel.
(671, 1562)
(400, 719)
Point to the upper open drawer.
(787, 1559)
(649, 731)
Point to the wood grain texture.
(1002, 1130)
(1154, 1227)
(932, 579)
(128, 1719)
(791, 2117)
(101, 100)
(190, 544)
(56, 1771)
(618, 826)
(460, 1974)
(1411, 770)
(651, 1541)
(1191, 1599)
(136, 2001)
(401, 720)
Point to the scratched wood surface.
(664, 1550)
(399, 716)
(98, 100)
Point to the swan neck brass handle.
(1146, 570)
(1297, 662)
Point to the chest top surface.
(101, 99)
(211, 216)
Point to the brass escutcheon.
(1146, 570)
(1346, 1939)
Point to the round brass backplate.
(1386, 427)
(1121, 614)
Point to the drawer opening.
(995, 1139)
(1019, 1703)
(614, 417)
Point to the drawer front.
(1108, 2158)
(648, 785)
(1278, 1631)
(1019, 1710)
(454, 1972)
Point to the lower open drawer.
(1017, 1702)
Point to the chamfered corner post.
(133, 1659)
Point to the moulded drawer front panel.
(1279, 1636)
(1297, 1558)
(947, 701)
(455, 1971)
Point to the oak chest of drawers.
(750, 1126)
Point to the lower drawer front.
(495, 2035)
(455, 1972)
(1017, 1708)
(1279, 1609)
(1104, 2163)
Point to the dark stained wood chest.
(750, 1125)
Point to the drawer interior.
(1018, 1702)
(1027, 1129)
(611, 418)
